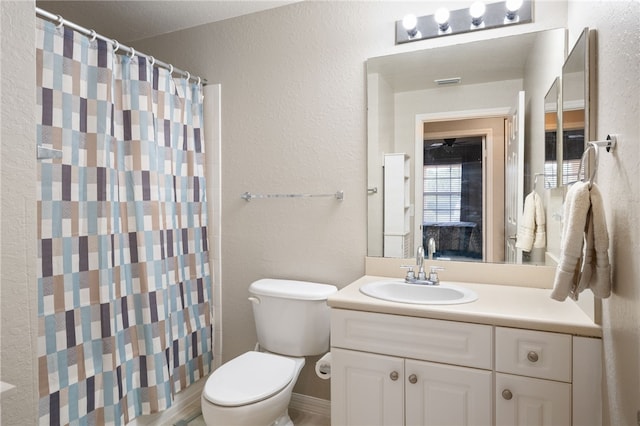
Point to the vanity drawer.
(533, 353)
(426, 339)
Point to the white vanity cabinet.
(400, 370)
(396, 370)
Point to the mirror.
(552, 133)
(576, 111)
(469, 81)
(565, 132)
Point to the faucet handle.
(410, 274)
(433, 274)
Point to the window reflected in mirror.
(453, 197)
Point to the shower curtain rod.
(60, 21)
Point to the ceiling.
(476, 62)
(129, 21)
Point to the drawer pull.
(506, 394)
(532, 356)
(394, 375)
(413, 379)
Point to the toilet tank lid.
(290, 289)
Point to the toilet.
(292, 321)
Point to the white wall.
(380, 136)
(543, 65)
(18, 256)
(618, 111)
(501, 94)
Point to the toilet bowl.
(252, 389)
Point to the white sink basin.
(399, 291)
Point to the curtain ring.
(199, 80)
(60, 20)
(132, 53)
(93, 35)
(188, 76)
(170, 69)
(152, 60)
(116, 45)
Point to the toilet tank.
(292, 317)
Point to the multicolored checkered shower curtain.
(124, 287)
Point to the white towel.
(583, 265)
(596, 270)
(531, 229)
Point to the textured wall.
(18, 212)
(618, 109)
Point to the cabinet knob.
(413, 379)
(394, 375)
(506, 394)
(532, 356)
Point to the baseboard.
(310, 404)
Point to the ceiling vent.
(447, 81)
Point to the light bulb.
(512, 8)
(477, 11)
(410, 23)
(442, 18)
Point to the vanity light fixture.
(477, 11)
(481, 15)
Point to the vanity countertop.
(500, 305)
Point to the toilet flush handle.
(254, 300)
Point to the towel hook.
(584, 161)
(610, 144)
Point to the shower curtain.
(124, 287)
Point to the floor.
(299, 418)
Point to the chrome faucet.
(431, 248)
(422, 276)
(420, 264)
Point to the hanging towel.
(584, 258)
(531, 230)
(596, 270)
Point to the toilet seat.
(251, 377)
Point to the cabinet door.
(442, 395)
(366, 389)
(528, 401)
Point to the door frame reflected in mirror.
(493, 170)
